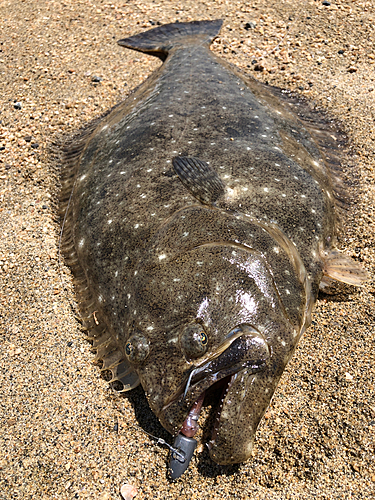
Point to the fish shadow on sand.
(146, 419)
(340, 292)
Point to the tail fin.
(159, 41)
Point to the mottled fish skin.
(201, 207)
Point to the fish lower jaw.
(227, 386)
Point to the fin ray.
(199, 178)
(340, 267)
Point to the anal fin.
(199, 178)
(340, 267)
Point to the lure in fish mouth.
(246, 354)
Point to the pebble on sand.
(128, 491)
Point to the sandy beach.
(64, 434)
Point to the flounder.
(201, 217)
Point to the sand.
(64, 434)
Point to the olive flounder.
(200, 220)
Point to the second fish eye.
(194, 341)
(137, 348)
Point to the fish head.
(205, 317)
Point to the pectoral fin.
(340, 267)
(199, 178)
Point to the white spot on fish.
(162, 256)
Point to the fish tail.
(159, 41)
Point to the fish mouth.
(244, 353)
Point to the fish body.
(201, 221)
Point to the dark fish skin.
(201, 211)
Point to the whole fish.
(201, 216)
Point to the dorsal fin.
(199, 178)
(159, 41)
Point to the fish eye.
(203, 337)
(194, 341)
(137, 348)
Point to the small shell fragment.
(128, 491)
